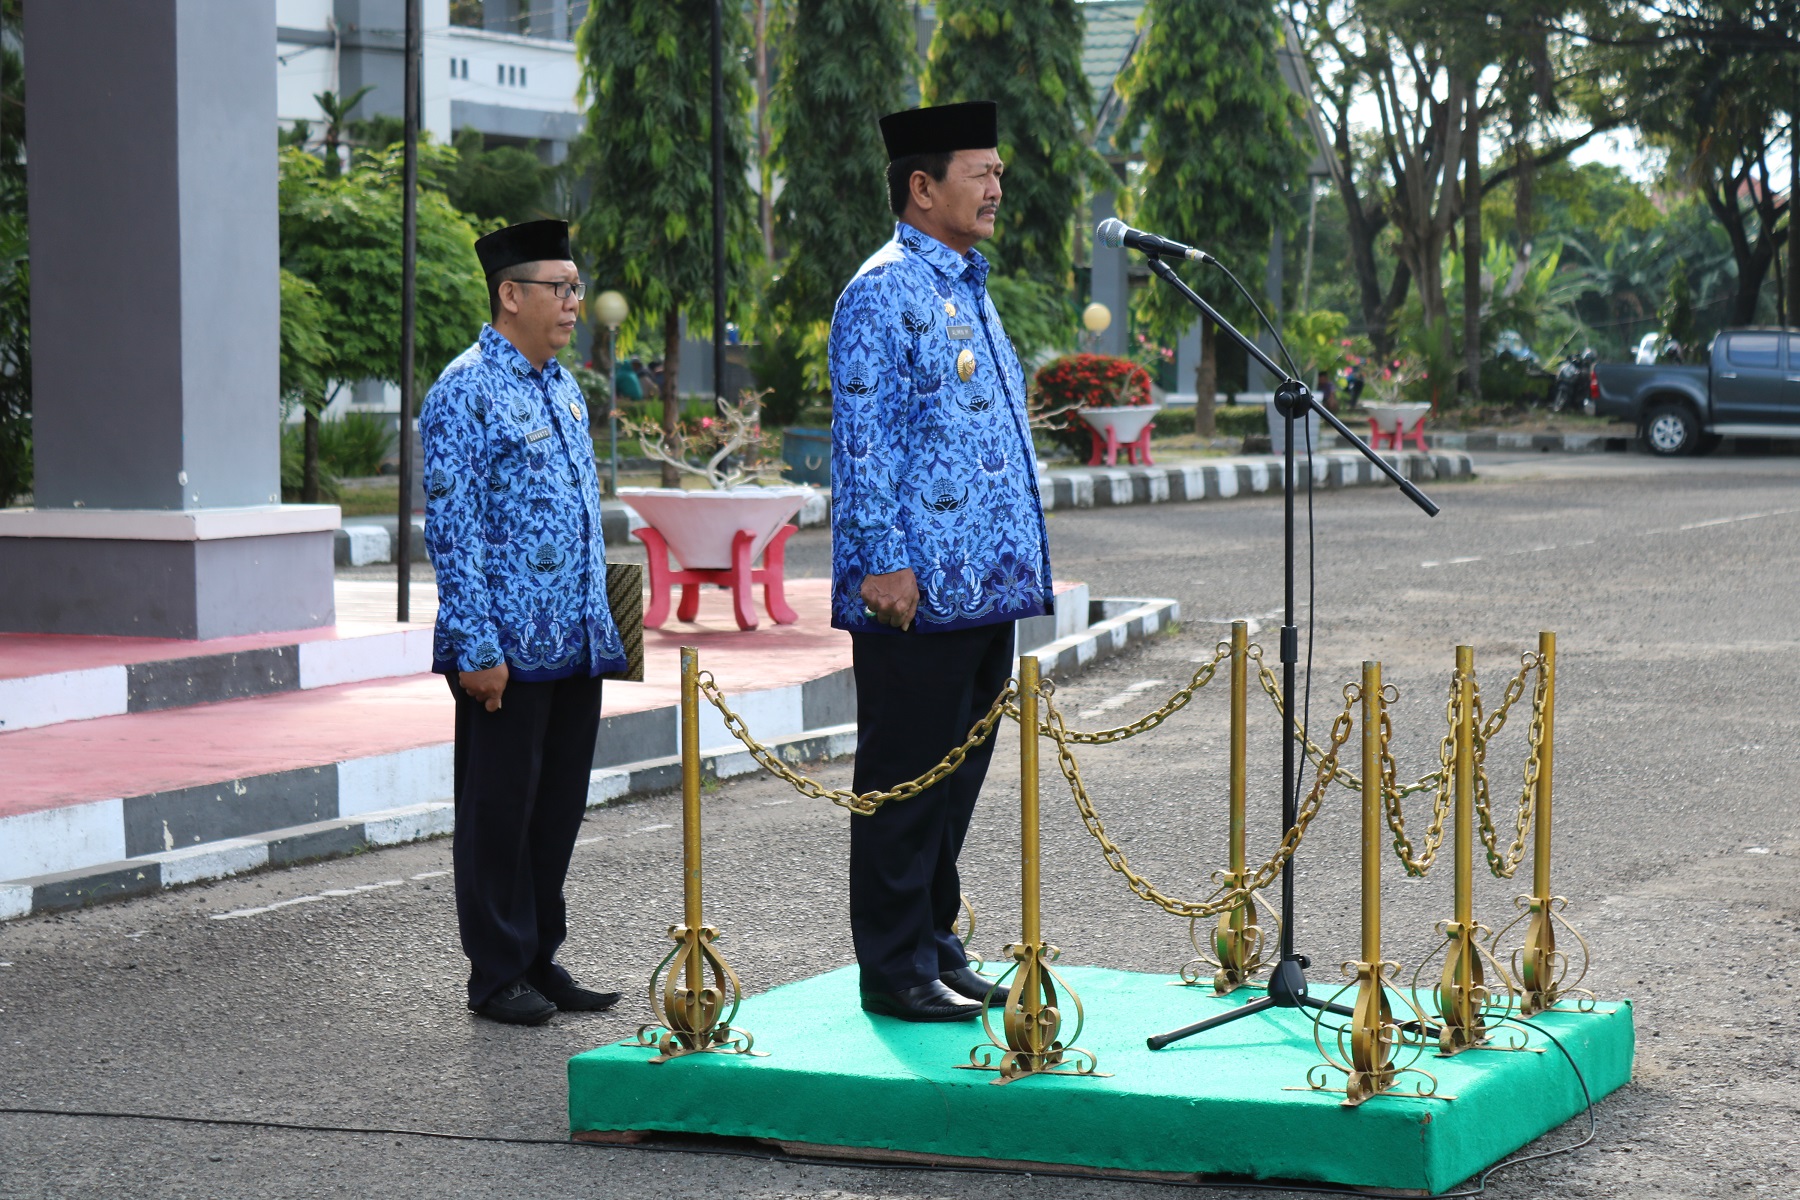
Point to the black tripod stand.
(1287, 982)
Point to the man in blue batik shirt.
(512, 524)
(938, 545)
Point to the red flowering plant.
(1077, 381)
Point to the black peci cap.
(534, 241)
(971, 125)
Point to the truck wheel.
(1670, 429)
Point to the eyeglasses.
(561, 289)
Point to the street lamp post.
(1096, 318)
(610, 311)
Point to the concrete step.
(121, 805)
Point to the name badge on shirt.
(960, 333)
(537, 435)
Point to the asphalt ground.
(1671, 585)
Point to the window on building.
(521, 76)
(500, 74)
(512, 75)
(467, 13)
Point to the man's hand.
(485, 686)
(892, 598)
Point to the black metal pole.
(718, 183)
(409, 255)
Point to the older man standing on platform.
(512, 524)
(938, 545)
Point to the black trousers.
(916, 696)
(521, 790)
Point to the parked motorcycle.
(1571, 387)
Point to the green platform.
(1213, 1105)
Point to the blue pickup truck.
(1749, 387)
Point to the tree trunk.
(671, 414)
(765, 176)
(1472, 249)
(1524, 215)
(1793, 237)
(309, 458)
(1206, 381)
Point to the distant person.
(1327, 391)
(626, 385)
(1353, 384)
(512, 524)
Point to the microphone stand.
(1293, 399)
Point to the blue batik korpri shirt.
(512, 519)
(930, 470)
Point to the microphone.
(1115, 233)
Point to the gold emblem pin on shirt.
(574, 410)
(949, 309)
(965, 365)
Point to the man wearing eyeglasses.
(512, 524)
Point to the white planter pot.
(699, 526)
(1126, 422)
(1389, 415)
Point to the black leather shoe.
(516, 1004)
(930, 1001)
(575, 998)
(964, 981)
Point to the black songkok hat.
(534, 241)
(971, 125)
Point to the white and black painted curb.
(84, 854)
(1224, 478)
(32, 701)
(367, 540)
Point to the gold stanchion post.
(693, 1016)
(1538, 965)
(1237, 937)
(1372, 1031)
(1461, 991)
(1033, 1022)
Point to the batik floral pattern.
(512, 519)
(929, 470)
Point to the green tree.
(503, 184)
(15, 272)
(844, 64)
(1220, 150)
(341, 235)
(647, 80)
(1026, 56)
(337, 123)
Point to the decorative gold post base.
(1239, 948)
(1033, 1022)
(1369, 1051)
(696, 1018)
(1547, 976)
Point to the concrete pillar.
(1109, 282)
(154, 312)
(1187, 359)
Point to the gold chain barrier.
(1225, 897)
(695, 994)
(862, 803)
